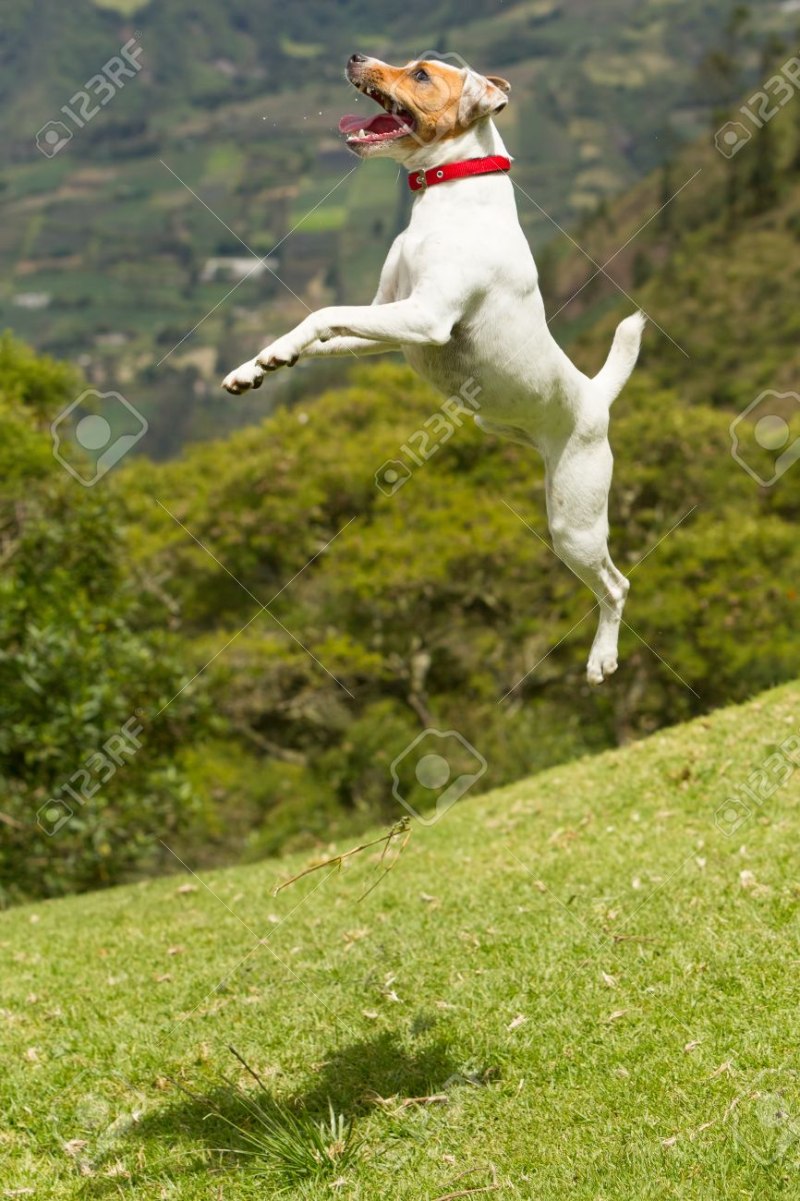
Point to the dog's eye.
(421, 76)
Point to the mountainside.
(128, 245)
(574, 987)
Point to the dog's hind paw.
(602, 664)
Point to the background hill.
(109, 259)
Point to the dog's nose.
(357, 58)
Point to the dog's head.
(424, 102)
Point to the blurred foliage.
(433, 603)
(76, 665)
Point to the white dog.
(459, 295)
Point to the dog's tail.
(621, 358)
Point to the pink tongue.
(351, 123)
(383, 123)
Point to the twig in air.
(399, 828)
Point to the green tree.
(77, 669)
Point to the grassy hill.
(106, 253)
(588, 975)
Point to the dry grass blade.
(473, 1192)
(403, 826)
(248, 1069)
(398, 829)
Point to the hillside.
(128, 250)
(709, 248)
(587, 972)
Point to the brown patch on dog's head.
(424, 102)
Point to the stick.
(250, 1070)
(401, 827)
(403, 845)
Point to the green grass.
(596, 980)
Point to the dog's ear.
(500, 83)
(482, 96)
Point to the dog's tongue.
(351, 123)
(382, 123)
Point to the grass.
(591, 985)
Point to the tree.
(89, 775)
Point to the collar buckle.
(492, 165)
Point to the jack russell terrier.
(459, 296)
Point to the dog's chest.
(446, 367)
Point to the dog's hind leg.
(578, 482)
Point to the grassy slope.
(599, 901)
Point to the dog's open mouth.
(394, 122)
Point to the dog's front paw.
(249, 375)
(282, 353)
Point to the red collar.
(471, 166)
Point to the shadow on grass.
(354, 1076)
(225, 1118)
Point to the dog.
(459, 295)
